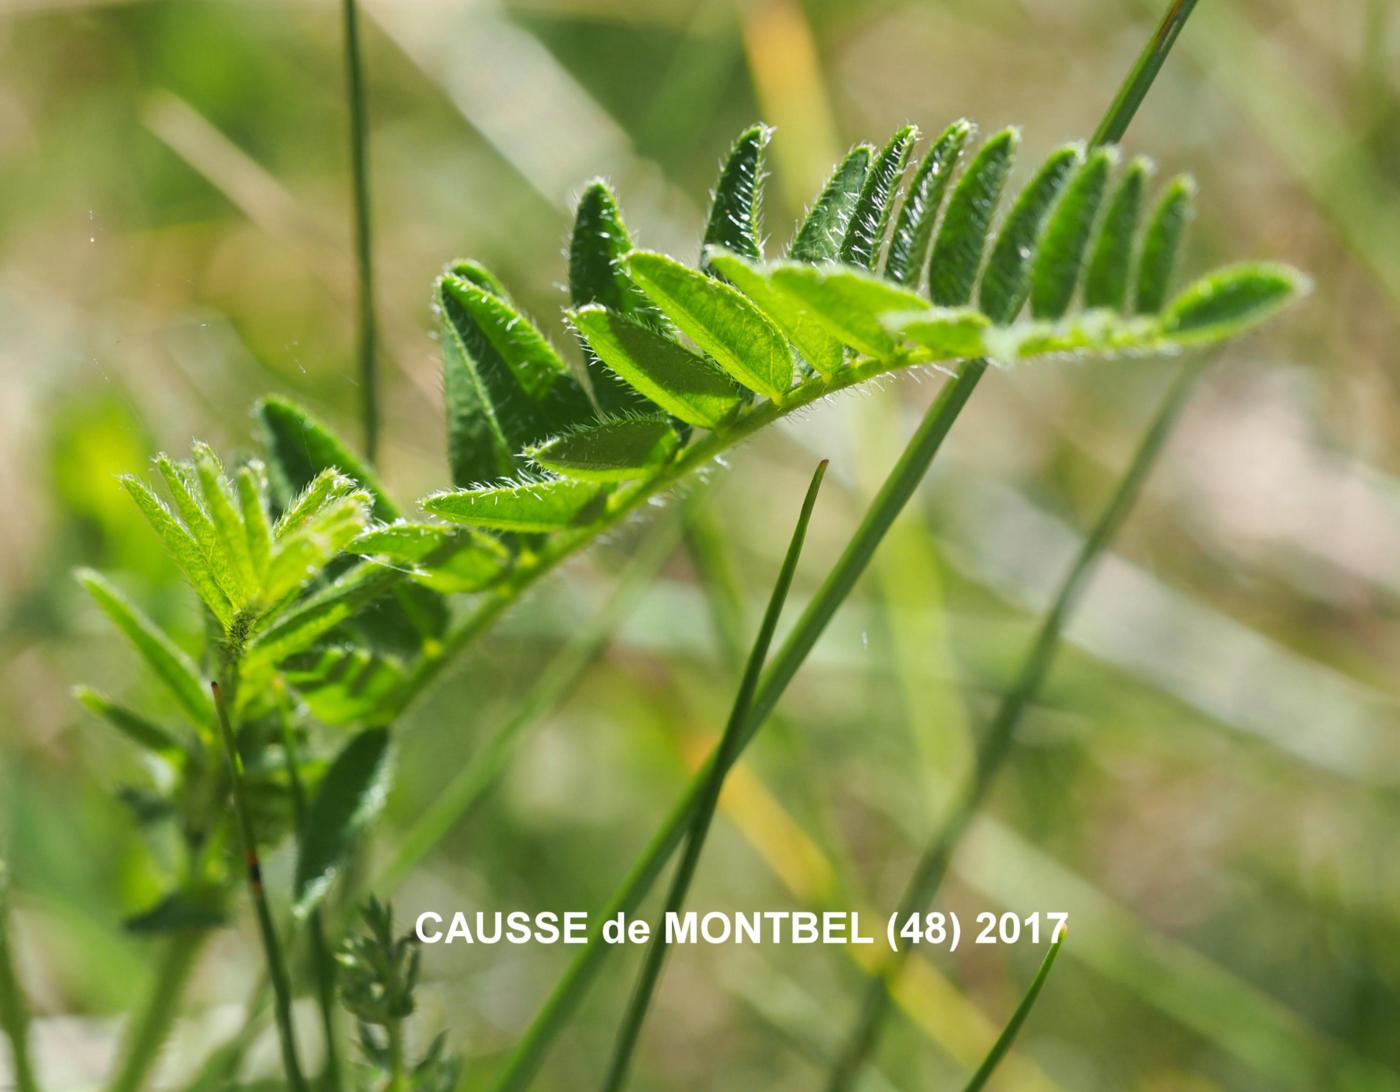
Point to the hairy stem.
(321, 958)
(899, 486)
(364, 245)
(725, 755)
(272, 947)
(148, 1032)
(933, 864)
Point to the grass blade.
(904, 478)
(1013, 1026)
(364, 242)
(725, 756)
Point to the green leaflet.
(734, 212)
(446, 559)
(871, 216)
(1098, 333)
(913, 230)
(169, 663)
(313, 617)
(181, 911)
(230, 535)
(1007, 280)
(257, 526)
(182, 547)
(474, 272)
(682, 383)
(1161, 245)
(822, 351)
(300, 446)
(613, 451)
(824, 227)
(957, 252)
(342, 684)
(847, 303)
(1055, 270)
(554, 504)
(720, 320)
(1110, 265)
(144, 733)
(599, 243)
(945, 333)
(1230, 301)
(505, 384)
(350, 796)
(302, 554)
(179, 482)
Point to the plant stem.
(320, 948)
(1139, 79)
(899, 486)
(725, 756)
(14, 1009)
(394, 1033)
(364, 246)
(933, 865)
(148, 1031)
(1013, 1026)
(272, 948)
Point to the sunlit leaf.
(822, 351)
(300, 446)
(944, 333)
(553, 504)
(612, 451)
(182, 547)
(230, 536)
(305, 622)
(847, 303)
(720, 319)
(681, 382)
(446, 559)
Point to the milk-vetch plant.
(317, 585)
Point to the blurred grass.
(1208, 781)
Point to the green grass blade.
(1060, 256)
(529, 1053)
(822, 231)
(720, 319)
(169, 663)
(957, 252)
(550, 505)
(822, 351)
(364, 240)
(1161, 245)
(871, 216)
(1006, 282)
(913, 230)
(1139, 79)
(1110, 273)
(708, 801)
(611, 451)
(1013, 1026)
(735, 212)
(684, 384)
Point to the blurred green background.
(1208, 783)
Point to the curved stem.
(899, 486)
(272, 947)
(150, 1030)
(933, 864)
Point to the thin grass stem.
(364, 244)
(1144, 71)
(1013, 1026)
(933, 864)
(147, 1033)
(725, 756)
(904, 478)
(272, 947)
